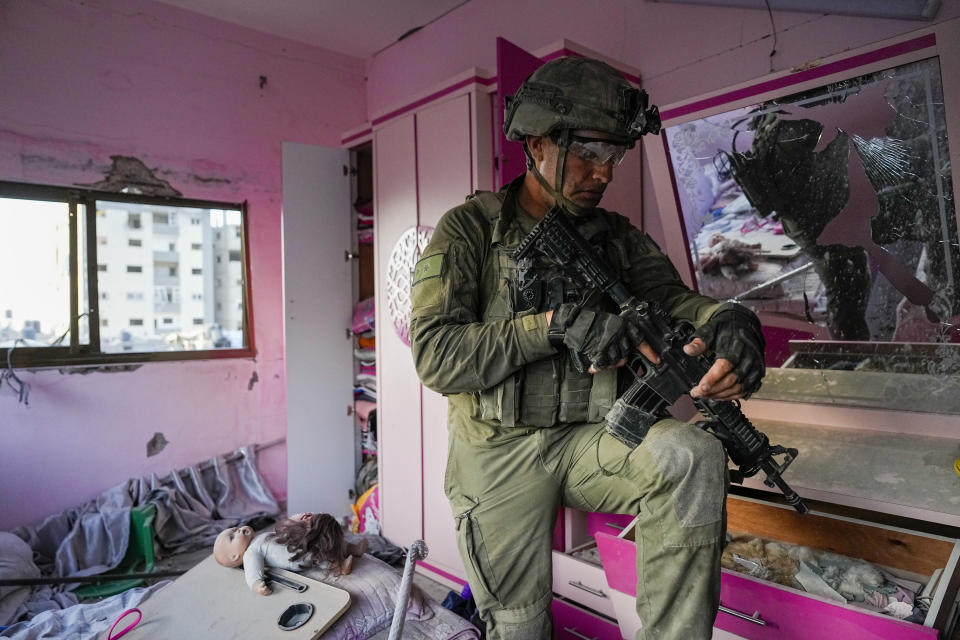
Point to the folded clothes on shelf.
(364, 316)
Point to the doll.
(303, 541)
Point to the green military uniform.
(527, 433)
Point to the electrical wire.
(773, 28)
(21, 388)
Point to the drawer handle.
(613, 526)
(755, 618)
(580, 585)
(574, 632)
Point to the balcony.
(166, 307)
(172, 257)
(163, 279)
(160, 228)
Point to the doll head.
(312, 538)
(230, 544)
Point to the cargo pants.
(505, 493)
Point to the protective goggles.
(597, 152)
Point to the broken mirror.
(830, 212)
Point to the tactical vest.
(550, 391)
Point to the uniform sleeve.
(651, 276)
(453, 350)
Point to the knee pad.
(694, 463)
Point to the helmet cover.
(579, 93)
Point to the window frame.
(90, 354)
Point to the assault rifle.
(646, 400)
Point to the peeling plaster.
(100, 368)
(128, 172)
(254, 379)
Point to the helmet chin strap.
(565, 203)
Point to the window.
(235, 256)
(219, 260)
(50, 318)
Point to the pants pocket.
(472, 548)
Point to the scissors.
(130, 626)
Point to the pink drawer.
(612, 523)
(573, 623)
(791, 614)
(582, 581)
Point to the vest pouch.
(538, 398)
(499, 402)
(575, 394)
(602, 395)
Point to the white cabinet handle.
(613, 526)
(574, 632)
(580, 585)
(755, 618)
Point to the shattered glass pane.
(831, 213)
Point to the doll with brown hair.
(303, 541)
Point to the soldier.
(526, 427)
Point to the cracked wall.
(179, 94)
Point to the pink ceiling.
(358, 28)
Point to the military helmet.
(579, 93)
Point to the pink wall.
(681, 50)
(86, 80)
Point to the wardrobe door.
(444, 179)
(398, 388)
(317, 305)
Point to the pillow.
(373, 586)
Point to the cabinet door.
(444, 179)
(317, 305)
(398, 388)
(513, 66)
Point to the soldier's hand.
(734, 333)
(603, 339)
